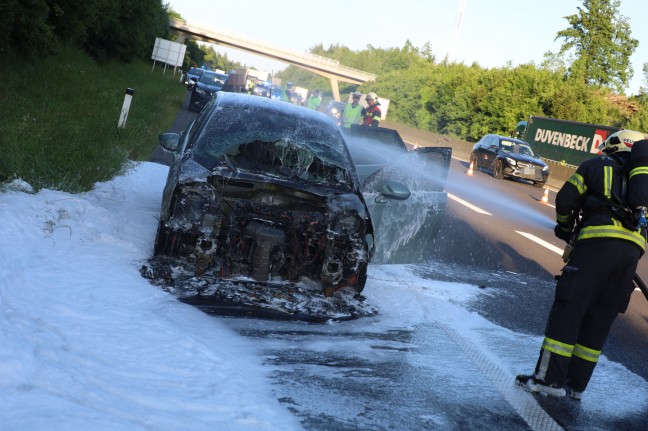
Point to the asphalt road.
(496, 234)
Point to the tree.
(601, 40)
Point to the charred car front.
(265, 191)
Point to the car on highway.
(208, 84)
(508, 157)
(192, 76)
(275, 91)
(267, 191)
(335, 110)
(261, 89)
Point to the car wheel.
(498, 170)
(165, 242)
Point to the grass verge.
(59, 118)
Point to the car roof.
(508, 138)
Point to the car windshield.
(517, 148)
(273, 143)
(213, 78)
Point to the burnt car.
(266, 191)
(509, 158)
(208, 83)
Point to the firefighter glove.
(563, 233)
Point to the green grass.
(59, 116)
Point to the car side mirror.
(393, 190)
(169, 141)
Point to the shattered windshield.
(273, 143)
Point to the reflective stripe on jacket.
(371, 115)
(595, 188)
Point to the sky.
(491, 33)
(87, 343)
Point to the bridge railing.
(308, 58)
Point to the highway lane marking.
(524, 404)
(542, 242)
(468, 205)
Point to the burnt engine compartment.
(264, 231)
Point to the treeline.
(465, 101)
(468, 101)
(122, 30)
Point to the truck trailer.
(563, 141)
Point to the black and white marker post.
(125, 107)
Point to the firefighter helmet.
(621, 141)
(372, 96)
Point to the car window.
(213, 78)
(507, 146)
(278, 144)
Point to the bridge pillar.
(335, 89)
(181, 37)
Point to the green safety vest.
(352, 115)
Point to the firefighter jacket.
(591, 202)
(371, 115)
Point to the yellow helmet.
(623, 140)
(373, 96)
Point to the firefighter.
(371, 114)
(596, 282)
(352, 111)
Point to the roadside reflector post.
(125, 107)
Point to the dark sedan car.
(509, 157)
(208, 84)
(266, 191)
(192, 76)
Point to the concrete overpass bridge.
(331, 69)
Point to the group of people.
(354, 112)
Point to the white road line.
(489, 365)
(467, 204)
(542, 242)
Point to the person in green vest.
(353, 111)
(314, 101)
(286, 94)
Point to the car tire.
(498, 170)
(164, 242)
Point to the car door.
(491, 149)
